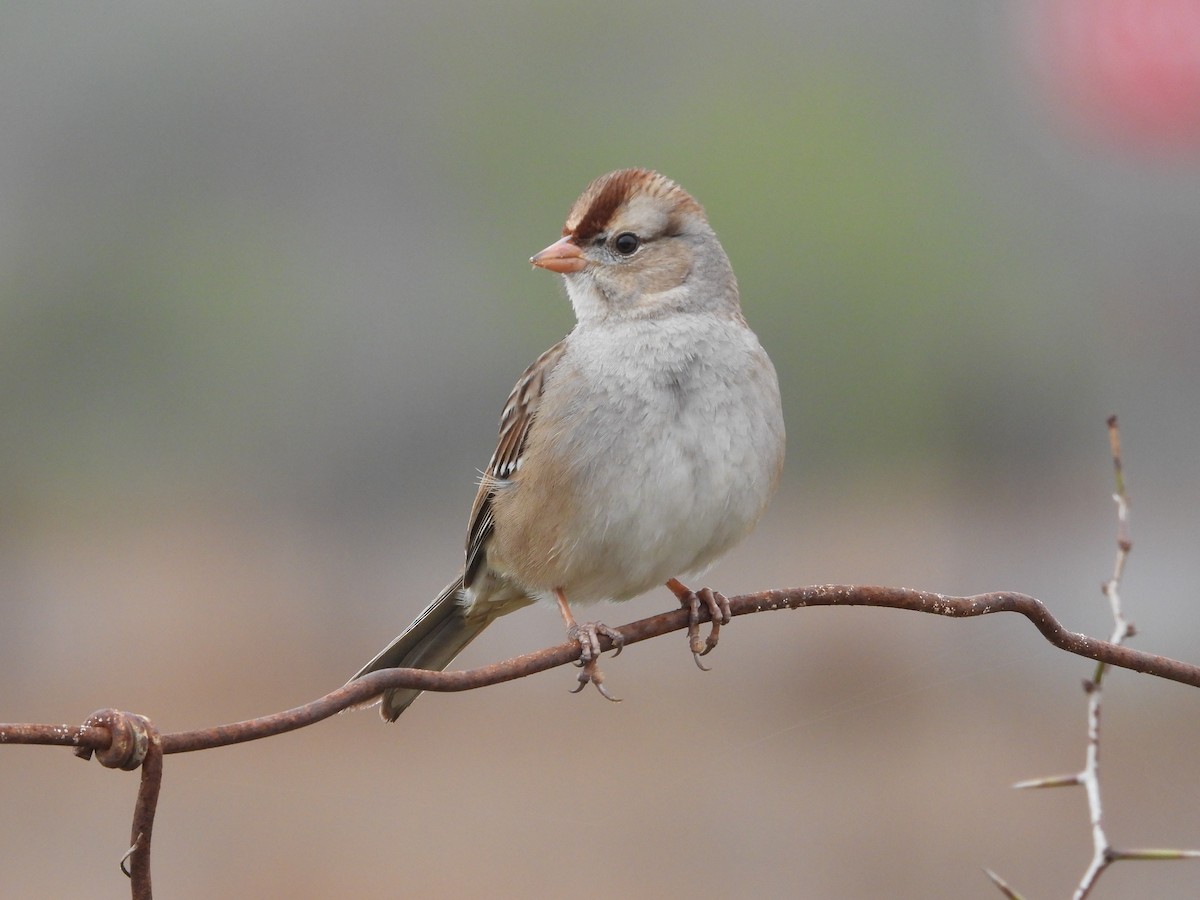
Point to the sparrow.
(633, 453)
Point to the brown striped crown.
(600, 201)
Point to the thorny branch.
(127, 741)
(1104, 853)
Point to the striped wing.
(515, 422)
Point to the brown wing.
(515, 422)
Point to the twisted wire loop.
(134, 743)
(129, 741)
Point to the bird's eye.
(626, 243)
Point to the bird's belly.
(681, 503)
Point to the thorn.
(1002, 885)
(1051, 781)
(1152, 854)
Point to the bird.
(631, 454)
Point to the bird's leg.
(588, 636)
(718, 611)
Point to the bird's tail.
(431, 642)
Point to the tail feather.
(431, 642)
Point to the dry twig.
(1103, 853)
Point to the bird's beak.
(562, 256)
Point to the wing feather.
(515, 422)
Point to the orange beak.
(562, 256)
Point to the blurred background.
(263, 291)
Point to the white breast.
(680, 438)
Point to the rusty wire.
(129, 741)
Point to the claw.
(591, 673)
(719, 613)
(604, 692)
(588, 636)
(719, 610)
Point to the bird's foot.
(588, 635)
(718, 611)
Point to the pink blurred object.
(1124, 71)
